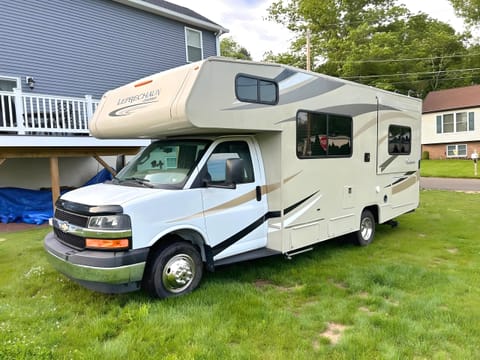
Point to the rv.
(249, 160)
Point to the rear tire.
(176, 269)
(364, 236)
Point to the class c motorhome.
(249, 160)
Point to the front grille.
(74, 241)
(74, 219)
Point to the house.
(451, 123)
(59, 57)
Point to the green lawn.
(412, 294)
(449, 168)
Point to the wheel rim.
(366, 228)
(178, 273)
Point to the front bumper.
(109, 272)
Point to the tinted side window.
(323, 135)
(251, 89)
(399, 140)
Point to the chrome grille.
(75, 219)
(74, 241)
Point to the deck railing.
(37, 114)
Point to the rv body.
(250, 160)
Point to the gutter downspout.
(217, 40)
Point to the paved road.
(450, 184)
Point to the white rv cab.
(248, 160)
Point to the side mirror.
(234, 174)
(120, 163)
(234, 171)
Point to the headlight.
(109, 232)
(110, 222)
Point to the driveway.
(433, 183)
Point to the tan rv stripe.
(240, 200)
(234, 202)
(249, 196)
(412, 180)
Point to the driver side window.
(230, 150)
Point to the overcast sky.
(246, 20)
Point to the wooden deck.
(50, 126)
(54, 153)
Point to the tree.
(469, 10)
(230, 48)
(287, 58)
(375, 42)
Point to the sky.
(246, 20)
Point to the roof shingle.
(452, 99)
(180, 9)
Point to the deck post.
(55, 177)
(20, 111)
(89, 103)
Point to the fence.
(36, 114)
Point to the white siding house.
(451, 123)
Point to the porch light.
(30, 82)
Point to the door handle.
(258, 191)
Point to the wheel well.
(185, 235)
(374, 210)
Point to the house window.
(8, 83)
(193, 42)
(461, 121)
(323, 135)
(252, 89)
(448, 123)
(457, 150)
(455, 122)
(399, 140)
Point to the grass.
(449, 168)
(412, 294)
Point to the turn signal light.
(107, 244)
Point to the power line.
(423, 80)
(402, 60)
(407, 74)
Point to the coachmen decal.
(135, 102)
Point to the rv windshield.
(164, 164)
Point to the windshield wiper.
(138, 180)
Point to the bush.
(425, 155)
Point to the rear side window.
(256, 90)
(399, 140)
(322, 135)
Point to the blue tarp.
(33, 206)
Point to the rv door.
(397, 149)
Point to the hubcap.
(366, 228)
(178, 273)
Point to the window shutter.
(439, 124)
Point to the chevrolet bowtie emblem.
(64, 226)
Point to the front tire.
(175, 270)
(364, 236)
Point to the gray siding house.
(79, 47)
(58, 57)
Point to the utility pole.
(308, 50)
